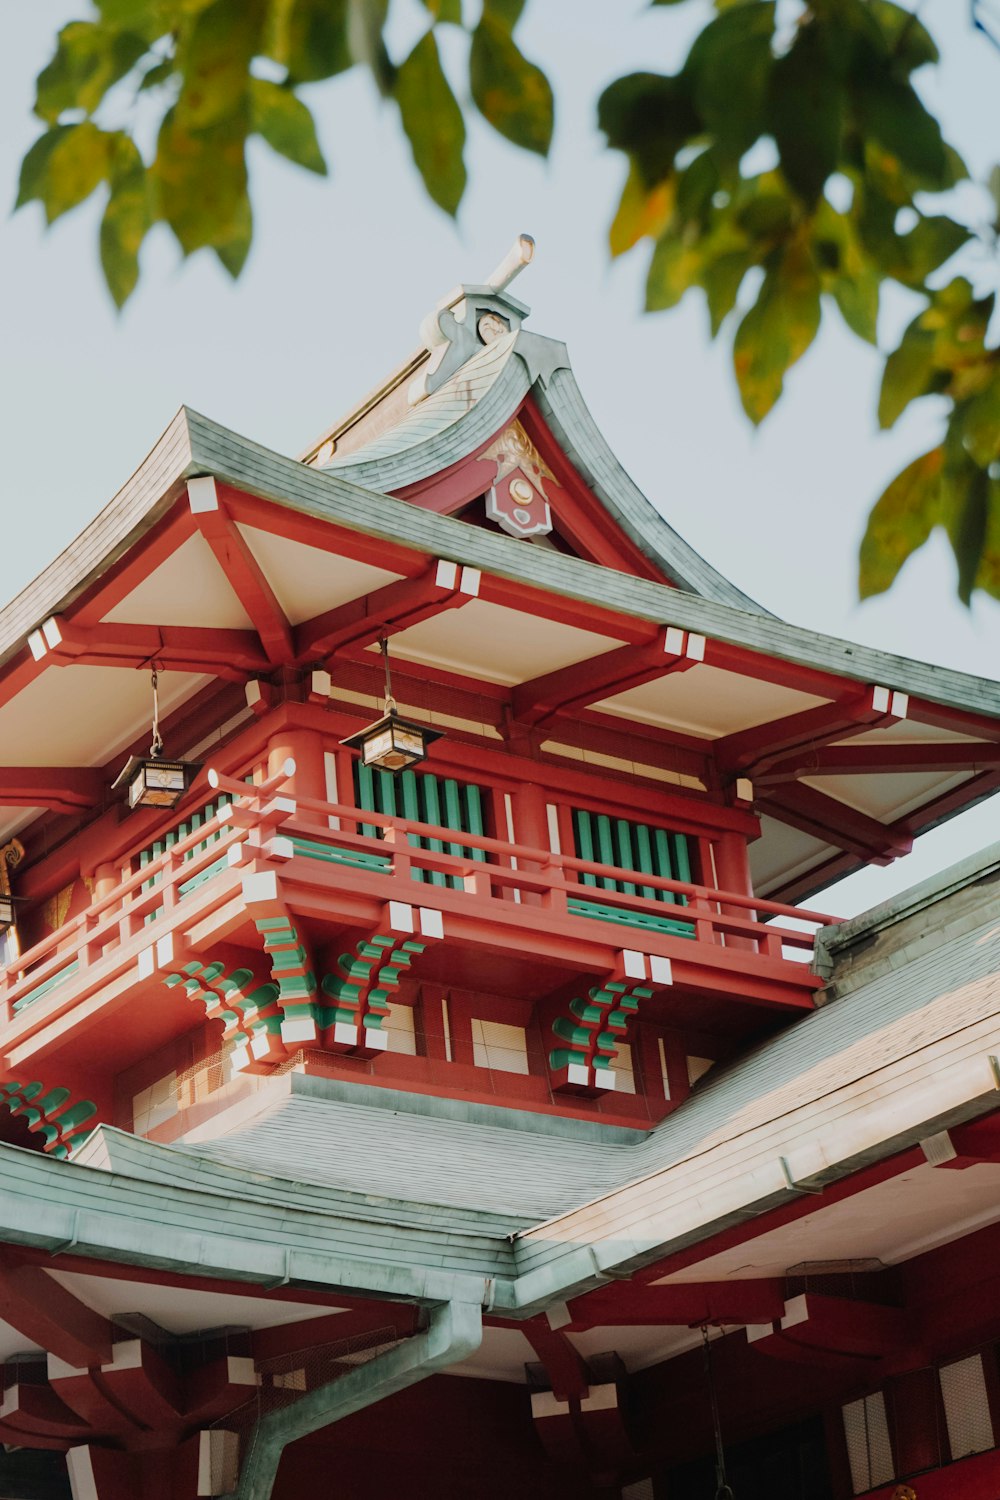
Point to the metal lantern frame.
(156, 780)
(393, 743)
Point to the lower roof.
(429, 1198)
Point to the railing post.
(554, 899)
(704, 910)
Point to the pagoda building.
(427, 1067)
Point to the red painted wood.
(248, 581)
(47, 1314)
(142, 559)
(388, 610)
(970, 1479)
(833, 822)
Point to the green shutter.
(631, 846)
(422, 797)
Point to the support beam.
(603, 676)
(826, 818)
(881, 758)
(41, 1309)
(231, 654)
(64, 789)
(630, 1304)
(563, 1365)
(752, 751)
(243, 572)
(397, 606)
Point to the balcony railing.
(259, 823)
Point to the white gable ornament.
(516, 499)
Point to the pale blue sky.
(341, 274)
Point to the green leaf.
(977, 421)
(649, 117)
(366, 41)
(506, 12)
(126, 220)
(805, 107)
(89, 59)
(777, 331)
(965, 504)
(892, 114)
(286, 124)
(857, 297)
(445, 11)
(988, 577)
(909, 373)
(201, 180)
(63, 167)
(900, 522)
(908, 41)
(234, 251)
(721, 279)
(729, 68)
(309, 38)
(159, 73)
(151, 18)
(932, 240)
(433, 123)
(696, 188)
(674, 268)
(641, 211)
(509, 91)
(214, 56)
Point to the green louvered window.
(631, 846)
(423, 797)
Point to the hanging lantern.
(392, 743)
(156, 780)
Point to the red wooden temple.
(462, 1094)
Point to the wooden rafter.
(598, 677)
(64, 789)
(44, 1312)
(231, 654)
(631, 1304)
(750, 751)
(882, 759)
(826, 818)
(386, 611)
(243, 572)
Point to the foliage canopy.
(790, 167)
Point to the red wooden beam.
(598, 677)
(232, 654)
(882, 758)
(325, 536)
(243, 572)
(65, 789)
(388, 610)
(142, 559)
(751, 751)
(41, 1309)
(834, 822)
(682, 1304)
(332, 1328)
(563, 1365)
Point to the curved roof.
(478, 400)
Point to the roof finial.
(469, 317)
(518, 256)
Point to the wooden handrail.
(528, 869)
(546, 857)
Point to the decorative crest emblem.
(516, 499)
